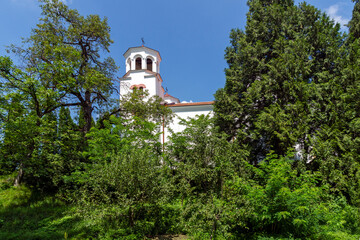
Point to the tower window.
(138, 64)
(139, 86)
(149, 64)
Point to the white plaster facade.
(147, 76)
(185, 111)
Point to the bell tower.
(142, 71)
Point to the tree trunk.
(131, 217)
(213, 233)
(19, 176)
(87, 107)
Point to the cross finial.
(142, 40)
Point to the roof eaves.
(192, 104)
(143, 47)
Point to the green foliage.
(202, 157)
(287, 201)
(64, 63)
(123, 183)
(18, 133)
(203, 161)
(68, 49)
(231, 199)
(292, 82)
(138, 103)
(64, 67)
(336, 144)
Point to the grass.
(14, 196)
(43, 219)
(26, 214)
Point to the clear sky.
(191, 35)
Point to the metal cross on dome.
(142, 40)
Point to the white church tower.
(142, 71)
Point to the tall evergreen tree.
(275, 66)
(70, 146)
(17, 133)
(336, 145)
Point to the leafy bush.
(123, 185)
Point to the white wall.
(185, 112)
(136, 78)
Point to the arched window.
(139, 86)
(138, 64)
(149, 64)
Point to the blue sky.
(191, 35)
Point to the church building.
(143, 72)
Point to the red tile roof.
(190, 104)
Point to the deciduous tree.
(62, 64)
